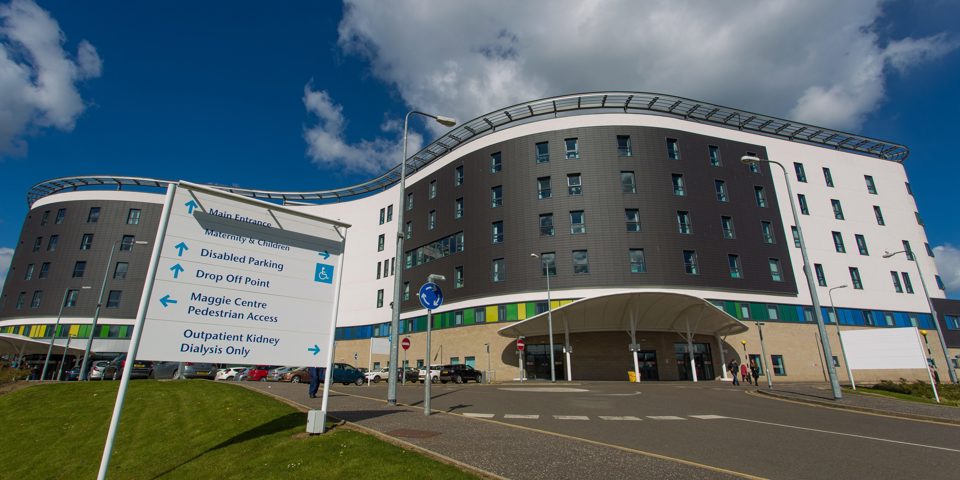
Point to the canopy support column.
(633, 344)
(723, 360)
(566, 348)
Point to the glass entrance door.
(648, 365)
(702, 359)
(537, 362)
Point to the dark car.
(190, 370)
(460, 373)
(411, 374)
(114, 369)
(345, 374)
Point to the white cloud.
(948, 264)
(37, 77)
(818, 61)
(327, 145)
(6, 254)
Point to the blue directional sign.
(430, 296)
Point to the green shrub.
(10, 375)
(918, 388)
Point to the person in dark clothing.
(734, 370)
(315, 378)
(755, 372)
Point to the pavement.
(648, 430)
(821, 394)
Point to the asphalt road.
(709, 423)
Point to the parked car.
(71, 375)
(114, 369)
(297, 375)
(434, 374)
(411, 374)
(257, 373)
(276, 374)
(345, 374)
(190, 370)
(460, 373)
(96, 370)
(381, 374)
(228, 373)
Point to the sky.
(311, 95)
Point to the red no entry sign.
(405, 343)
(520, 344)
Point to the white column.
(723, 360)
(633, 341)
(566, 338)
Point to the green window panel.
(732, 309)
(512, 312)
(758, 311)
(531, 308)
(104, 331)
(421, 324)
(468, 318)
(83, 331)
(123, 332)
(446, 319)
(788, 313)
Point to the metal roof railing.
(581, 103)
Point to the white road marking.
(525, 417)
(664, 417)
(571, 417)
(619, 394)
(708, 417)
(628, 417)
(478, 415)
(887, 440)
(545, 389)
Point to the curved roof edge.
(613, 102)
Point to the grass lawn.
(186, 429)
(944, 399)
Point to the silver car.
(96, 370)
(190, 370)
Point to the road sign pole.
(328, 378)
(137, 330)
(428, 379)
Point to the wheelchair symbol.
(324, 273)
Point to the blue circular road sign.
(430, 296)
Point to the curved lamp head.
(749, 160)
(434, 277)
(534, 255)
(887, 254)
(445, 121)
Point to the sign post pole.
(430, 297)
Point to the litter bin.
(632, 376)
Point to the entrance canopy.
(21, 345)
(655, 311)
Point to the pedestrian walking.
(755, 371)
(745, 373)
(734, 370)
(315, 374)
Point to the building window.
(574, 184)
(61, 214)
(572, 147)
(543, 152)
(871, 186)
(71, 298)
(29, 273)
(458, 277)
(775, 272)
(381, 240)
(855, 278)
(714, 155)
(733, 261)
(458, 176)
(673, 149)
(548, 264)
(499, 270)
(79, 268)
(406, 291)
(628, 182)
(380, 298)
(678, 185)
(37, 298)
(638, 263)
(113, 298)
(919, 218)
(36, 244)
(624, 149)
(20, 298)
(458, 208)
(906, 247)
(690, 262)
(821, 278)
(379, 272)
(895, 277)
(44, 270)
(408, 230)
(779, 368)
(940, 284)
(838, 242)
(431, 219)
(496, 196)
(433, 189)
(909, 190)
(382, 215)
(796, 236)
(578, 222)
(721, 188)
(772, 312)
(45, 218)
(633, 219)
(133, 216)
(907, 284)
(409, 201)
(120, 271)
(546, 225)
(86, 241)
(497, 232)
(94, 215)
(389, 213)
(496, 162)
(802, 200)
(726, 224)
(754, 167)
(861, 244)
(52, 243)
(878, 214)
(837, 209)
(929, 250)
(760, 196)
(444, 247)
(543, 188)
(801, 174)
(683, 222)
(827, 177)
(126, 243)
(766, 228)
(580, 263)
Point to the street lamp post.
(843, 350)
(825, 343)
(56, 326)
(763, 351)
(933, 311)
(397, 279)
(553, 373)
